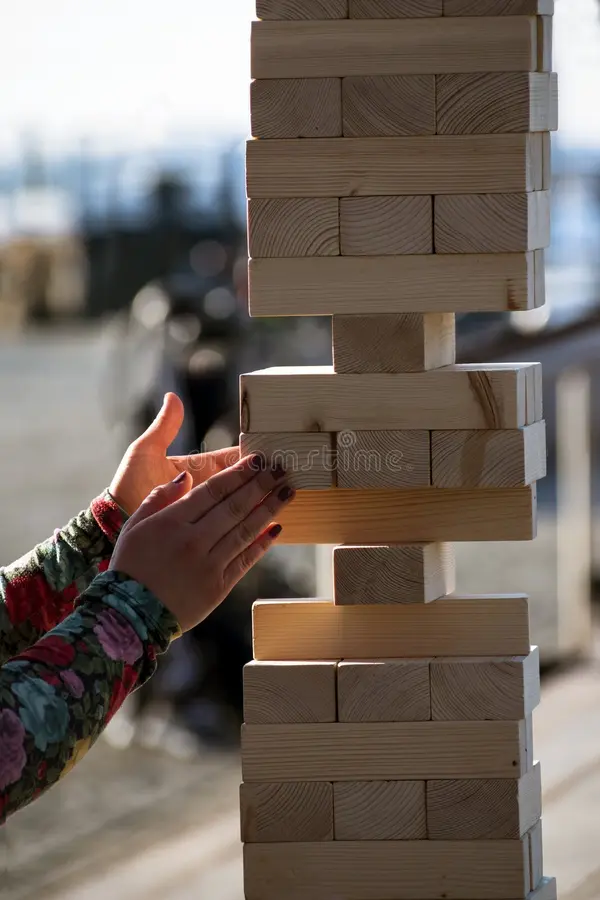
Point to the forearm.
(38, 590)
(57, 697)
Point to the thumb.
(161, 497)
(166, 425)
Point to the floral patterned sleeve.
(57, 696)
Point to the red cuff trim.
(109, 516)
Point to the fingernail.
(275, 531)
(257, 463)
(179, 478)
(286, 493)
(278, 471)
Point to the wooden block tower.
(398, 174)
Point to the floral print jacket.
(75, 640)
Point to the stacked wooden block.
(399, 174)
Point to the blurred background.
(123, 275)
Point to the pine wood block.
(481, 689)
(386, 226)
(546, 890)
(302, 9)
(388, 105)
(430, 46)
(394, 343)
(395, 166)
(502, 459)
(484, 809)
(382, 870)
(395, 690)
(546, 139)
(498, 7)
(375, 751)
(394, 9)
(401, 515)
(288, 227)
(293, 811)
(536, 855)
(396, 284)
(495, 625)
(314, 398)
(279, 692)
(296, 108)
(492, 223)
(544, 43)
(308, 459)
(379, 811)
(383, 459)
(404, 573)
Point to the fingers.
(247, 529)
(221, 490)
(202, 466)
(166, 425)
(161, 497)
(248, 558)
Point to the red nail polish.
(179, 478)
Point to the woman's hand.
(190, 549)
(146, 464)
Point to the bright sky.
(126, 72)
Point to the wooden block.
(302, 9)
(405, 573)
(496, 103)
(314, 629)
(383, 459)
(393, 285)
(294, 811)
(406, 342)
(314, 398)
(539, 291)
(484, 809)
(498, 7)
(544, 43)
(304, 227)
(492, 223)
(367, 167)
(393, 47)
(386, 226)
(402, 515)
(379, 811)
(468, 459)
(276, 692)
(388, 105)
(308, 459)
(394, 9)
(296, 107)
(546, 890)
(536, 855)
(481, 689)
(546, 143)
(395, 690)
(375, 751)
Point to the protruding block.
(484, 809)
(302, 9)
(391, 690)
(394, 9)
(375, 751)
(405, 573)
(393, 47)
(388, 105)
(296, 107)
(393, 166)
(386, 226)
(308, 459)
(313, 629)
(315, 398)
(379, 810)
(498, 7)
(430, 283)
(481, 689)
(279, 692)
(536, 855)
(468, 459)
(293, 811)
(496, 103)
(383, 459)
(407, 342)
(545, 891)
(492, 223)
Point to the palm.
(146, 464)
